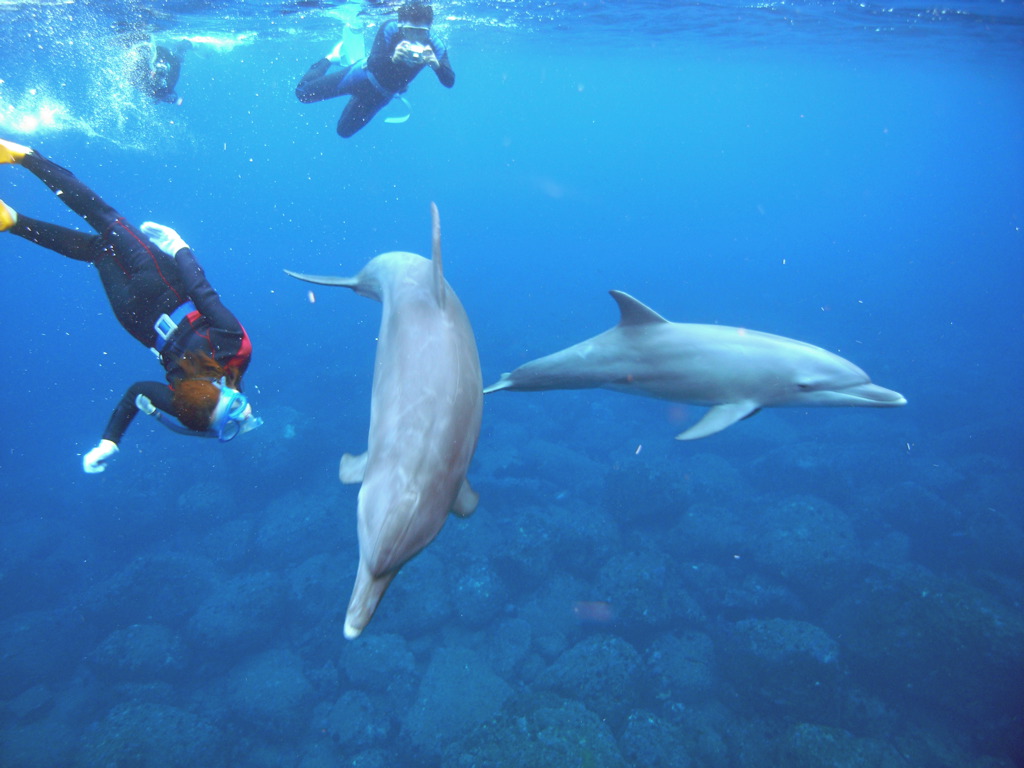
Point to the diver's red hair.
(195, 396)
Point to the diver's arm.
(443, 67)
(203, 295)
(157, 392)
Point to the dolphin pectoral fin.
(504, 382)
(344, 282)
(352, 468)
(718, 418)
(465, 500)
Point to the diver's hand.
(430, 58)
(145, 405)
(164, 238)
(412, 54)
(403, 53)
(96, 459)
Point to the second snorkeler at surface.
(401, 50)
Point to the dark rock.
(784, 666)
(268, 693)
(152, 736)
(680, 668)
(153, 589)
(204, 505)
(30, 705)
(419, 600)
(479, 594)
(909, 633)
(818, 746)
(239, 615)
(457, 693)
(355, 723)
(811, 545)
(383, 664)
(319, 587)
(40, 647)
(229, 544)
(645, 591)
(650, 741)
(555, 733)
(601, 671)
(297, 526)
(140, 652)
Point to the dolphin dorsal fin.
(635, 312)
(435, 256)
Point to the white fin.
(465, 501)
(718, 418)
(503, 383)
(353, 46)
(344, 282)
(352, 468)
(635, 312)
(435, 256)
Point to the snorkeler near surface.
(159, 69)
(160, 295)
(401, 49)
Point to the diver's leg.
(67, 242)
(75, 195)
(317, 85)
(359, 111)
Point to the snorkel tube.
(232, 415)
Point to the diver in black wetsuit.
(160, 70)
(401, 49)
(161, 296)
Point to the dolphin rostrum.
(735, 371)
(425, 414)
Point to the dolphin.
(734, 370)
(425, 412)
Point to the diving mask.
(233, 415)
(417, 35)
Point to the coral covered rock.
(602, 671)
(239, 615)
(152, 736)
(140, 652)
(269, 693)
(784, 666)
(458, 692)
(556, 733)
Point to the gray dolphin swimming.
(425, 413)
(735, 371)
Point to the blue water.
(809, 587)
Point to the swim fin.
(8, 216)
(335, 55)
(11, 152)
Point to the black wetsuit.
(372, 82)
(159, 69)
(164, 76)
(143, 283)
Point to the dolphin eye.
(804, 386)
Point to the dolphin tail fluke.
(718, 418)
(366, 595)
(505, 382)
(343, 282)
(435, 255)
